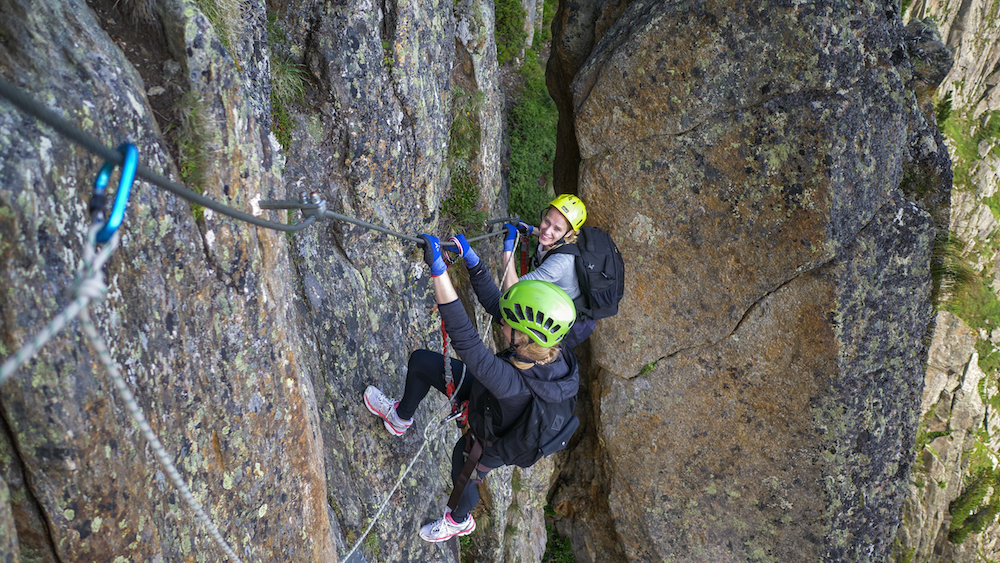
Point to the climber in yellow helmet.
(553, 260)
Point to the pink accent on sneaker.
(385, 408)
(446, 528)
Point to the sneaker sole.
(392, 430)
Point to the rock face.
(970, 29)
(953, 411)
(954, 418)
(757, 395)
(248, 349)
(210, 345)
(755, 399)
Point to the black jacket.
(498, 383)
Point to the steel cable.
(80, 137)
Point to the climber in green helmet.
(560, 224)
(534, 317)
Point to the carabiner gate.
(97, 200)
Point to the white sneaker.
(385, 408)
(446, 528)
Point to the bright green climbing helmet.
(540, 309)
(572, 209)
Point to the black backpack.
(601, 272)
(542, 429)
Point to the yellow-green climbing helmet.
(572, 209)
(540, 309)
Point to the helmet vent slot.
(539, 334)
(510, 315)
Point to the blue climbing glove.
(508, 242)
(432, 255)
(525, 228)
(465, 251)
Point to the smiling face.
(554, 227)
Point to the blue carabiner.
(131, 160)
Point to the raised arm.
(486, 291)
(444, 291)
(509, 273)
(494, 373)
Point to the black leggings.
(424, 370)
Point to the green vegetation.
(648, 368)
(544, 35)
(387, 55)
(461, 208)
(225, 17)
(978, 306)
(557, 549)
(972, 511)
(372, 546)
(942, 111)
(288, 84)
(966, 292)
(532, 129)
(193, 138)
(966, 133)
(972, 299)
(953, 277)
(509, 29)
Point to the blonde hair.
(533, 351)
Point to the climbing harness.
(473, 453)
(524, 256)
(90, 287)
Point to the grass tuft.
(953, 276)
(288, 85)
(461, 207)
(194, 139)
(226, 18)
(977, 507)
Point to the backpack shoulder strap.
(561, 249)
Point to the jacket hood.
(556, 381)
